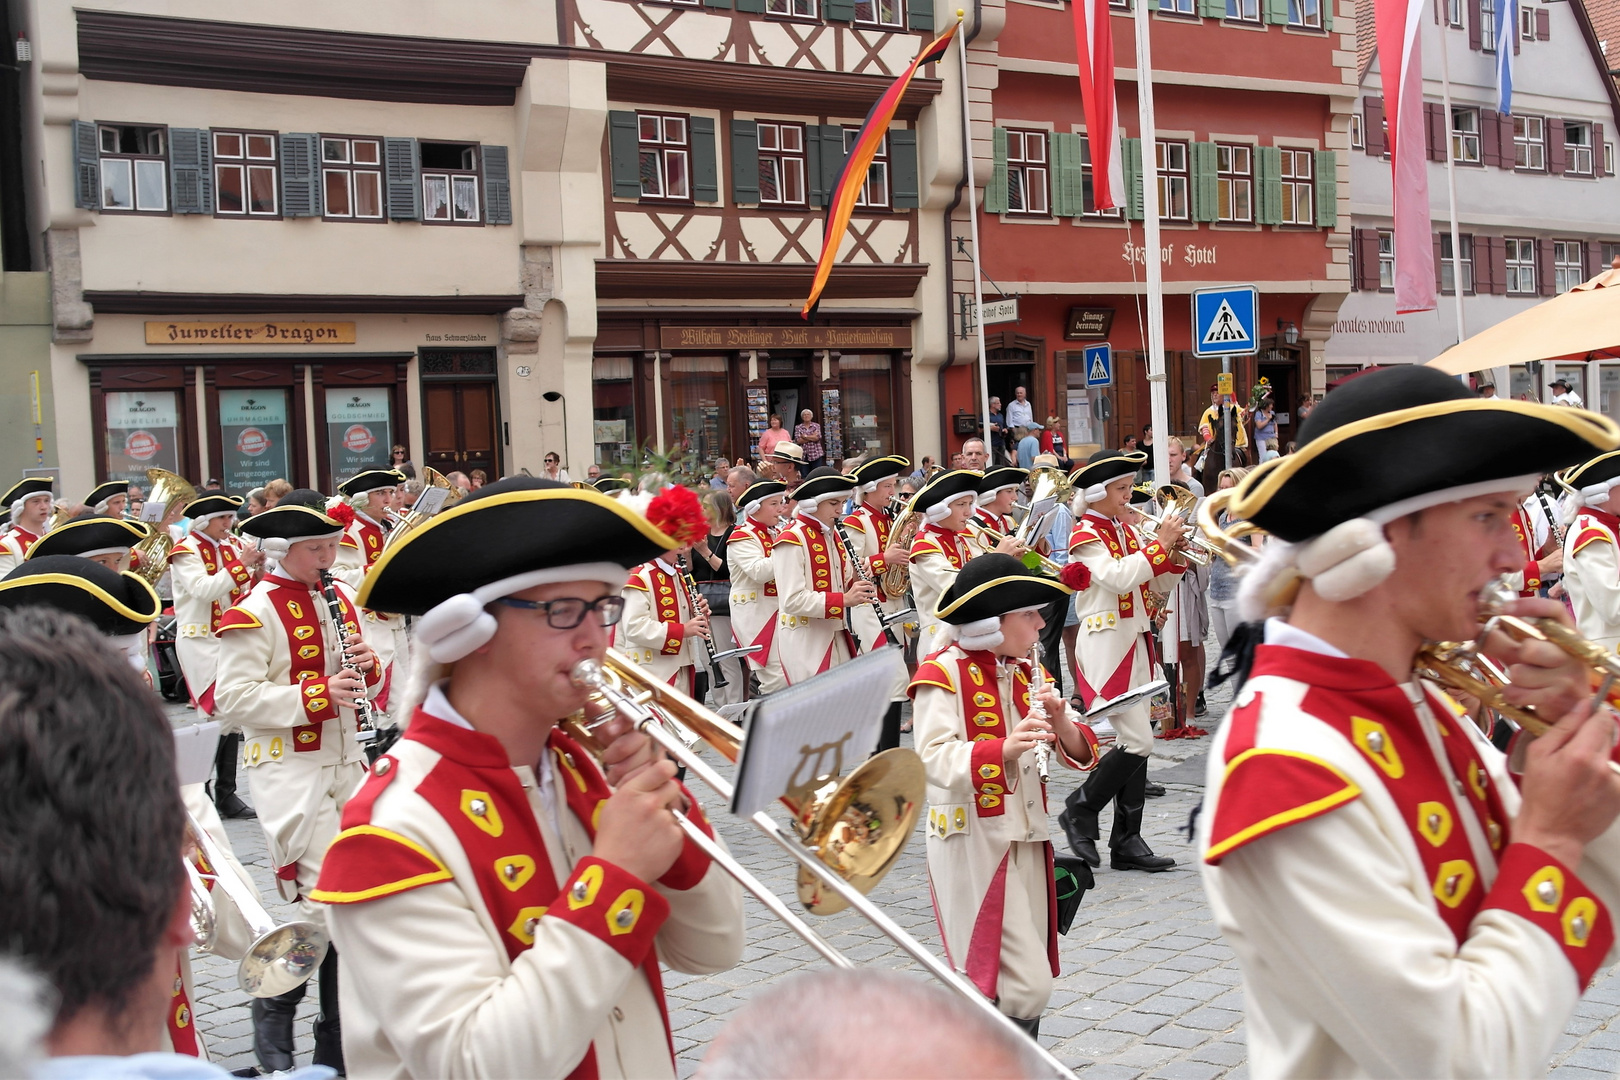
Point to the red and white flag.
(1400, 59)
(1094, 42)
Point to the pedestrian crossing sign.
(1225, 320)
(1099, 360)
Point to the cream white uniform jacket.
(812, 573)
(207, 578)
(753, 600)
(869, 532)
(361, 546)
(1358, 856)
(937, 556)
(652, 631)
(1592, 575)
(14, 547)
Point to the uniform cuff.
(1544, 892)
(317, 701)
(879, 565)
(694, 861)
(1161, 562)
(1091, 740)
(1532, 575)
(835, 605)
(614, 906)
(989, 777)
(674, 634)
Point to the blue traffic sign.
(1099, 365)
(1226, 320)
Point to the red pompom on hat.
(342, 513)
(1077, 576)
(677, 512)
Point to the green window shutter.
(904, 191)
(717, 3)
(1327, 188)
(1205, 182)
(300, 176)
(995, 192)
(838, 10)
(1132, 166)
(919, 14)
(86, 166)
(832, 159)
(1067, 194)
(705, 167)
(1212, 9)
(1327, 15)
(402, 164)
(1276, 12)
(624, 154)
(497, 185)
(745, 162)
(1268, 181)
(755, 7)
(191, 172)
(817, 195)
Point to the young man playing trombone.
(1402, 899)
(503, 903)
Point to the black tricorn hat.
(1405, 434)
(1142, 493)
(822, 483)
(88, 535)
(27, 486)
(116, 604)
(870, 472)
(1001, 477)
(945, 487)
(102, 492)
(992, 585)
(299, 515)
(211, 503)
(371, 480)
(1601, 469)
(761, 490)
(1106, 465)
(607, 484)
(513, 526)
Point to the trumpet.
(1226, 541)
(1193, 547)
(989, 538)
(845, 835)
(281, 957)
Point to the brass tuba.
(1049, 488)
(897, 579)
(175, 493)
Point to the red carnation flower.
(1077, 576)
(677, 512)
(342, 513)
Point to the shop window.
(134, 168)
(1575, 375)
(254, 437)
(450, 184)
(1234, 167)
(1448, 269)
(700, 406)
(359, 429)
(781, 164)
(143, 432)
(1173, 181)
(1298, 188)
(613, 402)
(875, 192)
(666, 156)
(245, 174)
(1465, 136)
(867, 397)
(351, 178)
(1521, 266)
(885, 13)
(1530, 143)
(1026, 172)
(1608, 402)
(1569, 264)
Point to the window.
(1530, 143)
(665, 157)
(875, 192)
(1521, 266)
(1448, 267)
(1487, 25)
(1088, 186)
(1578, 148)
(1234, 183)
(1569, 264)
(134, 175)
(1243, 11)
(1386, 260)
(450, 183)
(1610, 252)
(1608, 159)
(699, 405)
(1026, 172)
(613, 401)
(1527, 23)
(351, 178)
(1298, 188)
(868, 400)
(1173, 180)
(359, 429)
(888, 13)
(1465, 136)
(1358, 140)
(1454, 13)
(1307, 13)
(143, 432)
(781, 164)
(1123, 5)
(254, 436)
(245, 174)
(1178, 7)
(791, 9)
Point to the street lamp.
(552, 397)
(1290, 332)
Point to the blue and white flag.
(1507, 30)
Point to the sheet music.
(194, 747)
(833, 720)
(430, 501)
(152, 511)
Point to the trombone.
(847, 835)
(281, 957)
(1224, 541)
(989, 538)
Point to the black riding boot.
(329, 1025)
(226, 801)
(273, 1029)
(891, 728)
(1031, 1026)
(1084, 803)
(1127, 849)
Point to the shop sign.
(845, 338)
(253, 429)
(358, 430)
(1088, 323)
(250, 333)
(142, 433)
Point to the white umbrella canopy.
(1583, 321)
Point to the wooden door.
(461, 427)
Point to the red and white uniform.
(869, 528)
(1592, 575)
(984, 519)
(653, 632)
(937, 556)
(358, 551)
(1527, 582)
(208, 579)
(753, 600)
(1358, 850)
(989, 846)
(14, 548)
(812, 573)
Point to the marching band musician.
(989, 859)
(753, 579)
(1400, 903)
(1115, 653)
(111, 498)
(942, 547)
(371, 495)
(537, 895)
(998, 491)
(290, 678)
(663, 621)
(815, 583)
(105, 540)
(29, 503)
(1592, 551)
(870, 529)
(1543, 559)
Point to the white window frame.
(782, 160)
(1088, 188)
(1358, 139)
(1234, 171)
(1569, 264)
(1298, 187)
(1530, 143)
(247, 164)
(1386, 260)
(792, 9)
(883, 14)
(1029, 192)
(1466, 145)
(1527, 22)
(1454, 13)
(338, 160)
(877, 175)
(670, 147)
(456, 186)
(1447, 268)
(1487, 25)
(1243, 11)
(1305, 14)
(1519, 254)
(1175, 179)
(1577, 155)
(144, 174)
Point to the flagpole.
(1451, 184)
(1158, 401)
(973, 232)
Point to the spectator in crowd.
(275, 491)
(398, 458)
(1487, 390)
(788, 463)
(1029, 444)
(713, 577)
(1052, 440)
(137, 500)
(808, 435)
(1020, 411)
(974, 455)
(1212, 426)
(958, 461)
(1265, 427)
(923, 471)
(1130, 445)
(1565, 394)
(256, 502)
(552, 469)
(717, 480)
(998, 432)
(1306, 404)
(459, 481)
(772, 435)
(593, 472)
(739, 480)
(478, 478)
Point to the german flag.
(867, 141)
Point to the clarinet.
(689, 587)
(1554, 526)
(860, 572)
(362, 705)
(1037, 683)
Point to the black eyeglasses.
(569, 611)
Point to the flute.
(1037, 684)
(362, 704)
